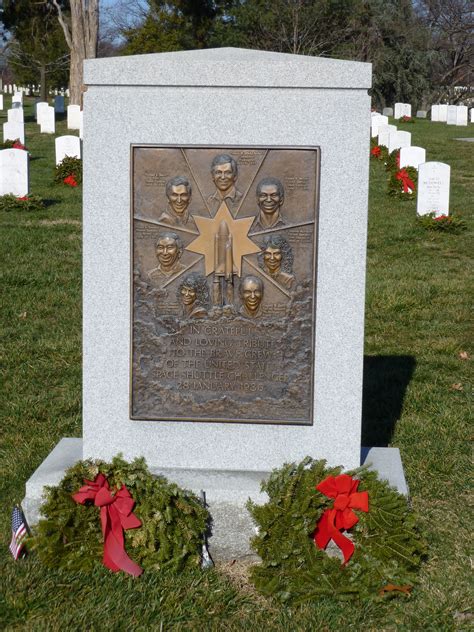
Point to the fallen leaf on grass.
(22, 315)
(406, 589)
(456, 387)
(463, 355)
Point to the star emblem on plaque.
(224, 282)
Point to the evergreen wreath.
(13, 144)
(27, 203)
(392, 161)
(388, 545)
(69, 167)
(173, 520)
(442, 223)
(396, 185)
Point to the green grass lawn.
(419, 302)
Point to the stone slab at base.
(226, 491)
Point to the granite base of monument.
(226, 491)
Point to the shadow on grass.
(386, 380)
(48, 202)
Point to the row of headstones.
(433, 177)
(450, 114)
(12, 89)
(14, 169)
(45, 116)
(406, 111)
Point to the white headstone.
(435, 112)
(1, 101)
(387, 111)
(461, 115)
(376, 121)
(443, 112)
(399, 110)
(406, 109)
(47, 121)
(384, 133)
(67, 146)
(452, 115)
(398, 139)
(81, 125)
(433, 188)
(15, 116)
(13, 172)
(59, 104)
(472, 115)
(14, 131)
(17, 97)
(421, 114)
(40, 107)
(73, 116)
(412, 156)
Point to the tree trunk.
(75, 78)
(44, 87)
(81, 36)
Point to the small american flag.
(19, 532)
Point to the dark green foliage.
(27, 203)
(69, 166)
(173, 520)
(444, 223)
(171, 26)
(388, 546)
(395, 186)
(392, 161)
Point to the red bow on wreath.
(376, 151)
(343, 489)
(407, 182)
(115, 516)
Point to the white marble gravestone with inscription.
(376, 122)
(433, 188)
(15, 115)
(384, 132)
(412, 156)
(47, 120)
(40, 107)
(452, 115)
(73, 116)
(398, 139)
(443, 113)
(67, 146)
(461, 115)
(14, 131)
(14, 172)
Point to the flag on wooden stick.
(19, 533)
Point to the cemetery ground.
(418, 355)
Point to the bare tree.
(304, 27)
(81, 31)
(451, 23)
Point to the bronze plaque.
(223, 283)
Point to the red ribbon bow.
(406, 181)
(343, 489)
(376, 151)
(115, 516)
